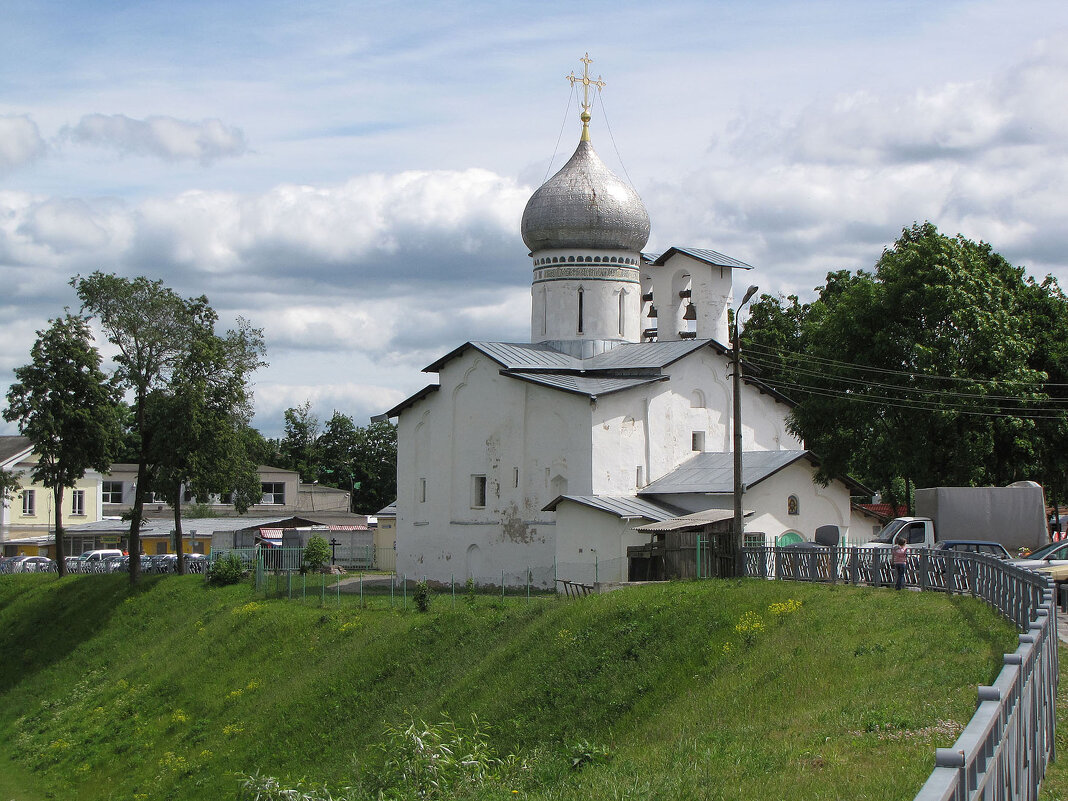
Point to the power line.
(755, 347)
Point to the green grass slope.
(697, 690)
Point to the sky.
(350, 176)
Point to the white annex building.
(546, 456)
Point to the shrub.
(421, 596)
(228, 570)
(469, 591)
(316, 553)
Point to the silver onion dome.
(585, 205)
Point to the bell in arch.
(690, 313)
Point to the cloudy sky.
(350, 176)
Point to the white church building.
(542, 459)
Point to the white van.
(99, 555)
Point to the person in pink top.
(901, 558)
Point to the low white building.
(540, 459)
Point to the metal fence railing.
(1003, 751)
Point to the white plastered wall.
(481, 423)
(592, 545)
(652, 426)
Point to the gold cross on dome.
(586, 82)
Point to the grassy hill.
(696, 690)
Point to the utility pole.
(739, 487)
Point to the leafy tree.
(205, 412)
(376, 467)
(299, 446)
(153, 328)
(9, 485)
(67, 407)
(920, 373)
(337, 448)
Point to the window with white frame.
(478, 492)
(29, 502)
(112, 491)
(77, 503)
(274, 492)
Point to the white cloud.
(20, 142)
(160, 136)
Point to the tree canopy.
(940, 367)
(68, 408)
(167, 350)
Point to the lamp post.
(739, 488)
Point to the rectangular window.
(77, 502)
(112, 491)
(227, 498)
(29, 502)
(421, 493)
(515, 477)
(697, 441)
(639, 475)
(478, 492)
(274, 492)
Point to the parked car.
(988, 547)
(1056, 553)
(31, 564)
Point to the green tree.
(376, 467)
(65, 404)
(300, 444)
(9, 485)
(153, 328)
(204, 411)
(920, 373)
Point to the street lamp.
(739, 488)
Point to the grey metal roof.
(712, 257)
(582, 385)
(714, 472)
(618, 505)
(512, 355)
(644, 355)
(10, 447)
(418, 396)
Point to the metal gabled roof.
(590, 386)
(713, 257)
(513, 356)
(645, 355)
(714, 472)
(619, 505)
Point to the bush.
(228, 570)
(316, 553)
(421, 596)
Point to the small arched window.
(580, 294)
